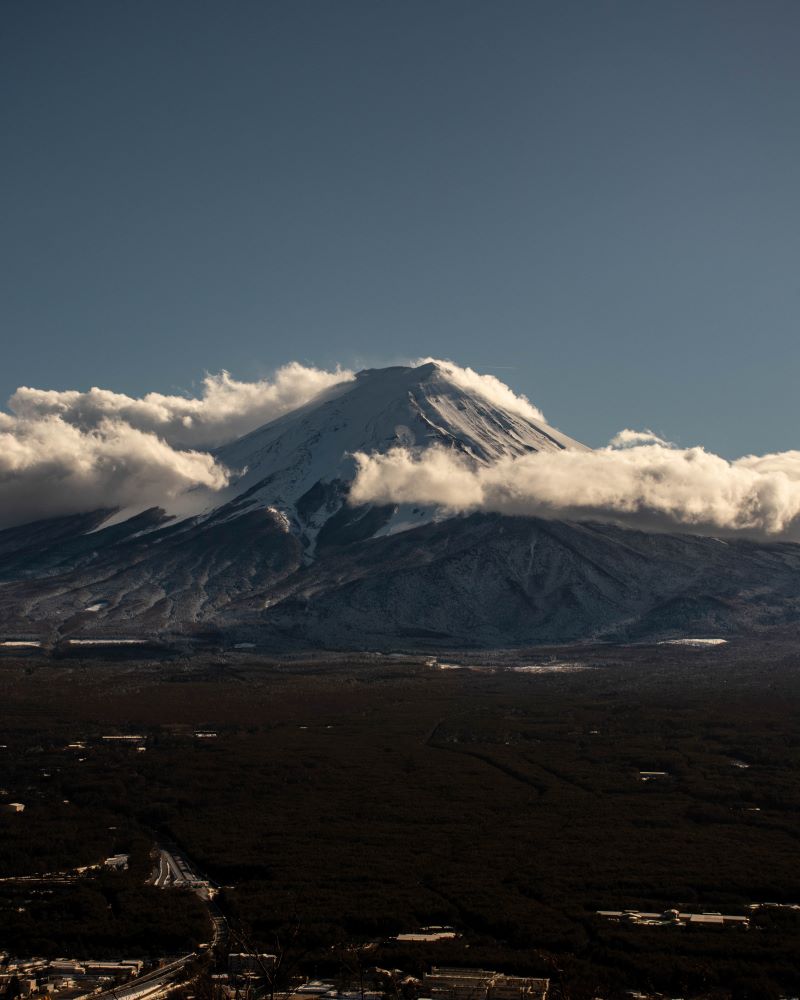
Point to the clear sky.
(599, 202)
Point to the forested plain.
(343, 801)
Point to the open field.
(351, 801)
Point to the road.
(173, 870)
(151, 984)
(71, 875)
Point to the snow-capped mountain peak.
(285, 562)
(301, 463)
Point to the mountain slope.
(282, 560)
(481, 581)
(301, 463)
(489, 580)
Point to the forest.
(342, 802)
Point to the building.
(127, 968)
(119, 862)
(445, 983)
(674, 918)
(428, 934)
(67, 967)
(250, 964)
(518, 988)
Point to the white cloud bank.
(650, 485)
(225, 409)
(67, 452)
(50, 467)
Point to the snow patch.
(107, 642)
(694, 643)
(97, 606)
(556, 667)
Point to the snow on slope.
(300, 463)
(278, 562)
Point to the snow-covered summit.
(284, 562)
(301, 462)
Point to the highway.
(151, 984)
(173, 870)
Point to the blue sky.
(595, 201)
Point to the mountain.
(301, 463)
(283, 561)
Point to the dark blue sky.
(597, 201)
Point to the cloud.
(653, 486)
(71, 451)
(629, 438)
(491, 388)
(64, 452)
(225, 409)
(50, 467)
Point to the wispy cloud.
(629, 438)
(489, 387)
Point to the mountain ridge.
(282, 560)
